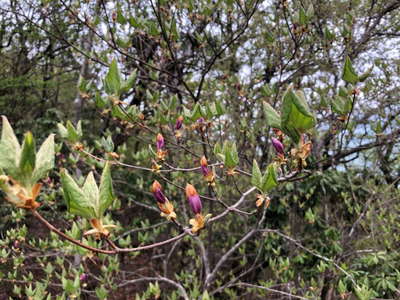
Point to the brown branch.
(67, 237)
(116, 249)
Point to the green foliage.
(296, 116)
(271, 116)
(265, 182)
(128, 72)
(23, 164)
(349, 74)
(90, 201)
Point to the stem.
(116, 249)
(72, 240)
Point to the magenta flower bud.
(179, 122)
(83, 277)
(160, 142)
(200, 120)
(204, 166)
(278, 146)
(194, 199)
(157, 192)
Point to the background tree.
(238, 73)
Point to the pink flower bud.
(204, 166)
(179, 122)
(278, 146)
(157, 192)
(160, 142)
(193, 198)
(83, 277)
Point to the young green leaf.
(365, 75)
(217, 148)
(220, 108)
(256, 176)
(91, 192)
(196, 112)
(112, 82)
(129, 83)
(10, 148)
(349, 74)
(77, 202)
(341, 105)
(302, 17)
(296, 117)
(73, 134)
(271, 116)
(269, 180)
(28, 156)
(106, 189)
(231, 155)
(62, 130)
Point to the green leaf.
(91, 192)
(296, 117)
(10, 148)
(101, 293)
(271, 116)
(349, 74)
(220, 108)
(73, 134)
(75, 198)
(231, 155)
(217, 148)
(128, 83)
(62, 130)
(106, 189)
(341, 105)
(302, 17)
(269, 180)
(205, 296)
(112, 81)
(256, 176)
(341, 287)
(365, 75)
(100, 103)
(196, 112)
(117, 112)
(120, 18)
(28, 156)
(174, 30)
(269, 37)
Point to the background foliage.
(126, 70)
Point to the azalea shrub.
(202, 156)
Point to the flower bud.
(83, 277)
(157, 192)
(278, 146)
(160, 142)
(179, 122)
(204, 166)
(193, 198)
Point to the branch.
(116, 249)
(383, 140)
(222, 260)
(268, 289)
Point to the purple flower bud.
(194, 199)
(200, 120)
(157, 192)
(278, 146)
(204, 166)
(83, 277)
(160, 142)
(179, 122)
